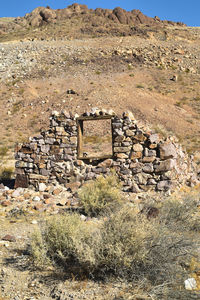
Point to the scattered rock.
(9, 238)
(34, 222)
(190, 284)
(42, 187)
(36, 198)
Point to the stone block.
(130, 132)
(26, 150)
(106, 163)
(44, 172)
(73, 186)
(118, 132)
(164, 166)
(121, 149)
(38, 177)
(116, 125)
(55, 149)
(21, 181)
(45, 148)
(151, 181)
(119, 138)
(164, 185)
(65, 140)
(154, 138)
(23, 164)
(148, 159)
(167, 150)
(148, 168)
(122, 155)
(50, 141)
(135, 155)
(140, 137)
(135, 188)
(153, 146)
(137, 148)
(73, 140)
(126, 144)
(41, 165)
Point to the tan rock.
(148, 159)
(165, 166)
(167, 150)
(137, 148)
(122, 155)
(135, 155)
(57, 192)
(130, 132)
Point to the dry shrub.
(67, 241)
(182, 214)
(3, 151)
(39, 250)
(100, 196)
(135, 248)
(125, 245)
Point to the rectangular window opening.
(95, 138)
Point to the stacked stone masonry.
(141, 159)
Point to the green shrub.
(6, 173)
(100, 196)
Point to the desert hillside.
(113, 59)
(77, 59)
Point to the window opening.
(94, 138)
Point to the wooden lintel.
(93, 118)
(96, 158)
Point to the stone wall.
(142, 160)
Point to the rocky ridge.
(45, 15)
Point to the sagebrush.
(100, 196)
(125, 244)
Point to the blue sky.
(174, 10)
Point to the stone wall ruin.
(142, 160)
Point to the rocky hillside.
(151, 68)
